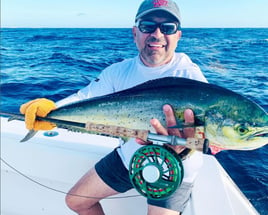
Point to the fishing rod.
(155, 170)
(198, 144)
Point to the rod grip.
(117, 131)
(198, 144)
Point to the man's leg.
(90, 185)
(173, 204)
(154, 210)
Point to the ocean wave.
(57, 58)
(39, 38)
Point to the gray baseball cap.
(148, 6)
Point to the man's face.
(156, 48)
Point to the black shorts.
(113, 172)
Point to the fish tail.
(29, 135)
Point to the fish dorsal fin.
(168, 82)
(191, 84)
(151, 84)
(155, 84)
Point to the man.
(156, 34)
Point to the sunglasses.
(167, 28)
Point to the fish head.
(230, 132)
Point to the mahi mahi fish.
(229, 120)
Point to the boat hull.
(36, 175)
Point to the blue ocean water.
(54, 63)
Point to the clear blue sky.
(121, 13)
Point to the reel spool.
(156, 171)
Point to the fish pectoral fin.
(29, 135)
(216, 149)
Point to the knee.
(73, 202)
(82, 205)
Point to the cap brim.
(155, 9)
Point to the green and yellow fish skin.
(230, 121)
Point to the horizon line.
(117, 27)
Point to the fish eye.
(241, 129)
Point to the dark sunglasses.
(167, 28)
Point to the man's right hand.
(171, 121)
(38, 107)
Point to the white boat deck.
(49, 166)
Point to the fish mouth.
(258, 134)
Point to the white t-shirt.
(129, 73)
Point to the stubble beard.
(154, 57)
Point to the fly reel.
(156, 171)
